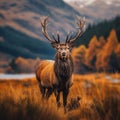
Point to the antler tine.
(68, 37)
(54, 38)
(58, 36)
(81, 24)
(44, 31)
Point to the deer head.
(63, 49)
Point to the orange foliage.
(117, 52)
(101, 42)
(100, 45)
(103, 57)
(91, 52)
(111, 44)
(78, 55)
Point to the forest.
(101, 55)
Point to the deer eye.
(68, 48)
(58, 48)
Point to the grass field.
(100, 100)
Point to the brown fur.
(45, 74)
(63, 70)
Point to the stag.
(56, 76)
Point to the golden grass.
(21, 100)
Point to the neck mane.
(63, 68)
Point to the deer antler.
(81, 25)
(44, 25)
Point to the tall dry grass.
(21, 100)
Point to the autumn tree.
(100, 45)
(79, 58)
(117, 53)
(103, 57)
(90, 56)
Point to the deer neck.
(63, 68)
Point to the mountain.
(20, 29)
(98, 9)
(17, 44)
(24, 15)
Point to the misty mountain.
(20, 29)
(98, 9)
(24, 15)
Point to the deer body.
(56, 76)
(56, 72)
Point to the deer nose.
(63, 54)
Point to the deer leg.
(49, 93)
(57, 95)
(58, 99)
(42, 90)
(65, 95)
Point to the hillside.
(18, 44)
(24, 15)
(20, 29)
